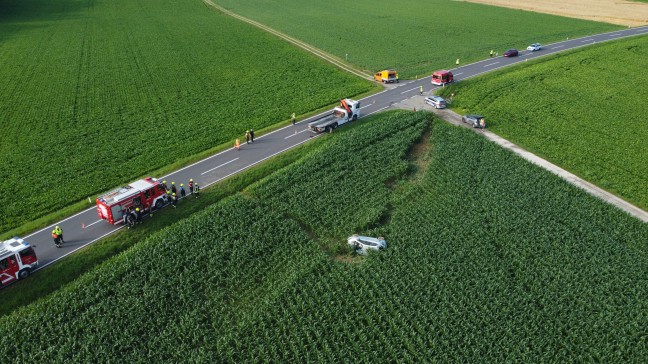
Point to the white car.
(534, 47)
(437, 101)
(362, 244)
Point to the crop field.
(584, 111)
(94, 96)
(415, 37)
(489, 259)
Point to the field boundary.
(454, 118)
(303, 45)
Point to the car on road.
(534, 47)
(363, 244)
(476, 121)
(437, 102)
(511, 53)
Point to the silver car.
(477, 121)
(363, 244)
(534, 47)
(437, 101)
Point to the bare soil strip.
(621, 12)
(307, 47)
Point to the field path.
(305, 46)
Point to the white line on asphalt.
(86, 244)
(205, 172)
(560, 46)
(377, 111)
(404, 92)
(261, 160)
(614, 35)
(93, 223)
(292, 135)
(587, 40)
(491, 64)
(457, 74)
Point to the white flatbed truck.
(349, 110)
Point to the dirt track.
(620, 12)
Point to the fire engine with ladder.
(17, 260)
(146, 194)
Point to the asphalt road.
(85, 227)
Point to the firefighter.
(191, 186)
(252, 135)
(247, 137)
(237, 144)
(421, 89)
(173, 188)
(128, 219)
(57, 234)
(165, 185)
(182, 191)
(197, 190)
(174, 199)
(294, 119)
(138, 214)
(491, 53)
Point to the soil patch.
(622, 12)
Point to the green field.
(490, 259)
(95, 94)
(585, 111)
(414, 36)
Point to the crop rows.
(565, 109)
(489, 259)
(416, 37)
(93, 97)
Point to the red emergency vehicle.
(145, 194)
(17, 260)
(442, 77)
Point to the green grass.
(584, 111)
(96, 94)
(416, 37)
(489, 260)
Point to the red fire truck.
(17, 260)
(442, 77)
(145, 194)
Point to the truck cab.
(17, 260)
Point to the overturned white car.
(362, 244)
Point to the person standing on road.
(252, 135)
(57, 235)
(182, 190)
(197, 190)
(421, 89)
(166, 188)
(173, 188)
(138, 213)
(247, 137)
(174, 199)
(293, 118)
(237, 144)
(191, 186)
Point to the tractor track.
(305, 46)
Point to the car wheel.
(354, 118)
(158, 204)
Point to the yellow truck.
(386, 76)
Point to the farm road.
(85, 228)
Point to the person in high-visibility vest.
(421, 89)
(491, 53)
(293, 118)
(174, 199)
(57, 234)
(191, 186)
(173, 188)
(457, 62)
(237, 144)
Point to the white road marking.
(560, 46)
(491, 64)
(292, 135)
(614, 35)
(457, 74)
(587, 40)
(92, 223)
(205, 172)
(377, 111)
(404, 92)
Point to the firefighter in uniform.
(197, 190)
(138, 213)
(182, 190)
(174, 199)
(173, 188)
(191, 186)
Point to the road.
(85, 228)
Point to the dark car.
(477, 121)
(511, 53)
